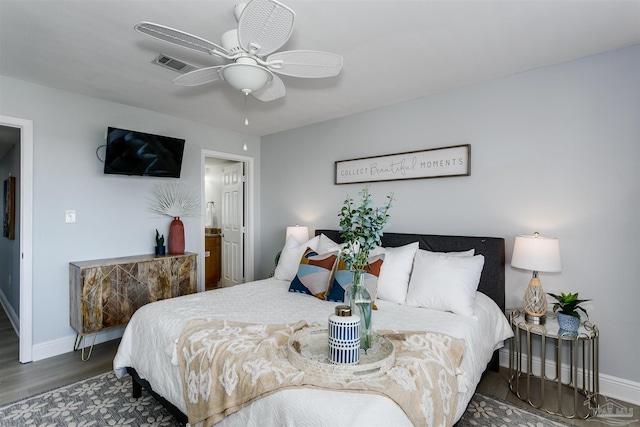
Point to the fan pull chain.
(246, 118)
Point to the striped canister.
(344, 336)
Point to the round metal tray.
(308, 350)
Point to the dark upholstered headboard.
(492, 277)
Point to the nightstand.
(576, 366)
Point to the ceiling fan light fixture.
(252, 51)
(246, 77)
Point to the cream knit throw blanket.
(226, 365)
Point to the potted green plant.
(159, 243)
(567, 307)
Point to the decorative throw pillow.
(290, 257)
(470, 252)
(445, 283)
(396, 271)
(344, 278)
(325, 245)
(314, 273)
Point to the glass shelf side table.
(580, 375)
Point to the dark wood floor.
(18, 380)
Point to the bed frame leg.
(494, 363)
(138, 384)
(136, 389)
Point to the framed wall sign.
(9, 215)
(432, 163)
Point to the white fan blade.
(265, 26)
(199, 77)
(180, 38)
(274, 90)
(311, 64)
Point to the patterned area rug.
(484, 411)
(105, 400)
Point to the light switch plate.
(70, 216)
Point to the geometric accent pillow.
(314, 273)
(344, 278)
(445, 283)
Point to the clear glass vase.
(359, 300)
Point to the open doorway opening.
(228, 219)
(214, 184)
(20, 250)
(10, 238)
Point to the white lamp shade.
(301, 234)
(536, 253)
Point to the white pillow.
(289, 261)
(445, 283)
(395, 272)
(327, 245)
(470, 252)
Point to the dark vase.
(176, 236)
(159, 250)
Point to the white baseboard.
(610, 386)
(11, 314)
(65, 345)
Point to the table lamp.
(300, 233)
(536, 253)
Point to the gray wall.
(10, 249)
(554, 150)
(113, 218)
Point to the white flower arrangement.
(175, 199)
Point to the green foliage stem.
(362, 228)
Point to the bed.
(149, 351)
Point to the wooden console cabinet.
(105, 293)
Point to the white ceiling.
(393, 50)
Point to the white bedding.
(148, 345)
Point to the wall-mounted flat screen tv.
(136, 153)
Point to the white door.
(232, 219)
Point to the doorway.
(10, 240)
(228, 219)
(23, 321)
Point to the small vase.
(360, 302)
(344, 337)
(159, 250)
(176, 236)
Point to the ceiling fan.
(264, 26)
